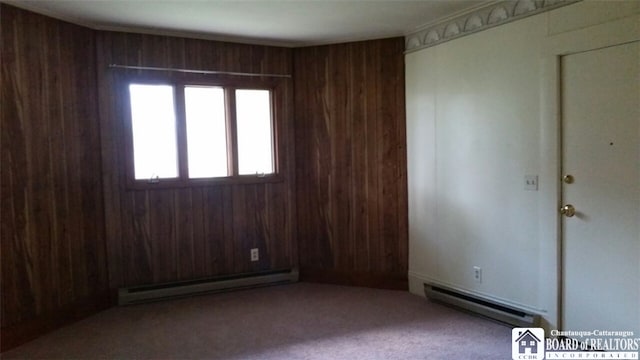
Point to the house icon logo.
(527, 344)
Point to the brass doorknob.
(568, 210)
(568, 179)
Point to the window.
(200, 132)
(253, 109)
(153, 126)
(206, 131)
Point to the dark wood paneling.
(29, 329)
(53, 243)
(163, 235)
(351, 162)
(349, 172)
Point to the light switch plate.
(531, 182)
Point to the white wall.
(476, 125)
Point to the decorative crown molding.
(494, 14)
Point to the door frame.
(595, 37)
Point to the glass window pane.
(255, 133)
(153, 124)
(206, 131)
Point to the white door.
(601, 151)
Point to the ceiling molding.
(453, 16)
(478, 19)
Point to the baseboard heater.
(156, 292)
(484, 307)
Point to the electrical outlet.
(255, 254)
(477, 273)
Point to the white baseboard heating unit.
(484, 307)
(156, 292)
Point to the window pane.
(153, 124)
(206, 131)
(255, 133)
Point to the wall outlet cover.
(531, 182)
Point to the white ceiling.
(289, 23)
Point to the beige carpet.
(300, 321)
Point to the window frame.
(229, 83)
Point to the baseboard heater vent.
(148, 293)
(490, 309)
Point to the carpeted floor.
(300, 321)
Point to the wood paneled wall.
(351, 163)
(163, 235)
(72, 230)
(53, 244)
